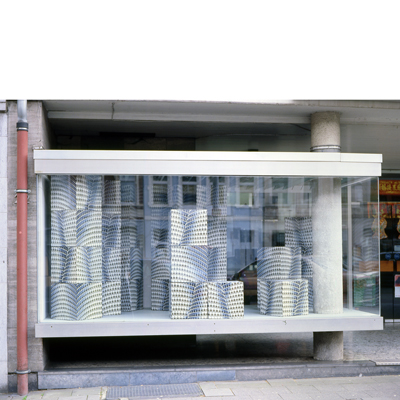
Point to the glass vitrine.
(207, 248)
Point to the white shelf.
(153, 323)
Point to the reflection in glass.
(221, 241)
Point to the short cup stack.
(284, 274)
(198, 288)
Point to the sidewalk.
(370, 387)
(233, 359)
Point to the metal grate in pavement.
(177, 390)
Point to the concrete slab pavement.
(361, 387)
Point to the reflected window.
(246, 190)
(189, 186)
(160, 190)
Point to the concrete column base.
(328, 346)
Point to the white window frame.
(90, 162)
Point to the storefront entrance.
(389, 215)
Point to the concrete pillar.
(327, 238)
(325, 131)
(328, 346)
(327, 246)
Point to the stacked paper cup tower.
(96, 264)
(198, 287)
(160, 243)
(284, 274)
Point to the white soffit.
(94, 162)
(289, 111)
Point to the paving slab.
(326, 396)
(93, 397)
(303, 389)
(386, 397)
(281, 382)
(378, 393)
(275, 390)
(386, 378)
(35, 395)
(357, 379)
(329, 388)
(57, 393)
(208, 385)
(334, 380)
(208, 398)
(266, 397)
(354, 395)
(244, 384)
(243, 391)
(306, 382)
(240, 397)
(72, 397)
(292, 396)
(87, 391)
(362, 386)
(217, 392)
(386, 385)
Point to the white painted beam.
(70, 162)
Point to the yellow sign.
(389, 187)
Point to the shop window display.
(209, 244)
(96, 254)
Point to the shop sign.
(388, 187)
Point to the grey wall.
(122, 143)
(39, 135)
(382, 139)
(3, 247)
(357, 138)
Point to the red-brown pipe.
(22, 258)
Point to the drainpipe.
(22, 249)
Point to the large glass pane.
(206, 246)
(361, 234)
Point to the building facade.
(228, 183)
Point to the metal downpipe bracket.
(328, 148)
(27, 371)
